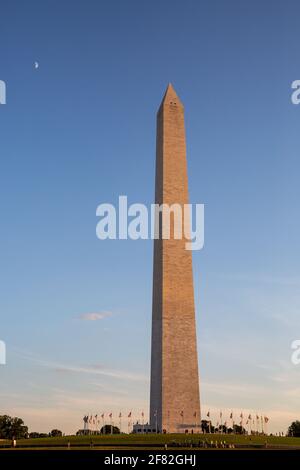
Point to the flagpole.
(249, 423)
(266, 424)
(129, 420)
(232, 422)
(209, 422)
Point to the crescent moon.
(36, 65)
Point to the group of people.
(203, 443)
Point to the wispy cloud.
(226, 388)
(261, 278)
(94, 316)
(117, 374)
(94, 369)
(290, 320)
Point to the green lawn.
(157, 440)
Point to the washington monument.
(174, 394)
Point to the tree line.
(15, 428)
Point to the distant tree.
(55, 433)
(12, 427)
(238, 429)
(108, 428)
(205, 426)
(222, 429)
(35, 435)
(294, 429)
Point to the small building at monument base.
(139, 428)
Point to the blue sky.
(79, 131)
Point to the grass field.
(156, 441)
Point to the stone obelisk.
(174, 394)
